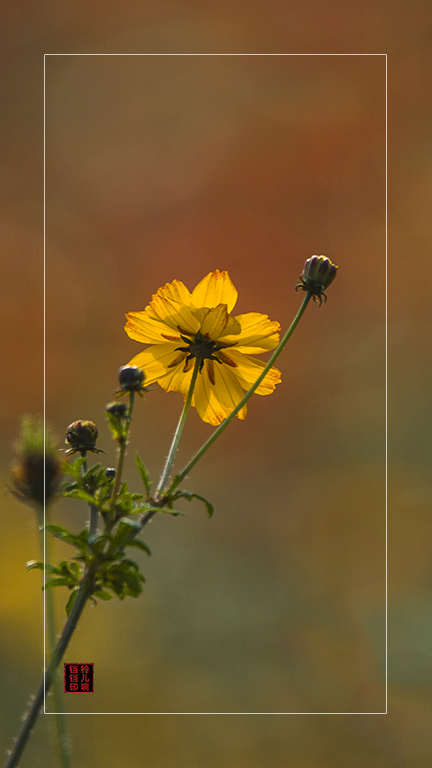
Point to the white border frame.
(386, 372)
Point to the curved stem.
(178, 479)
(60, 719)
(57, 656)
(178, 433)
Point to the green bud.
(118, 410)
(318, 273)
(81, 435)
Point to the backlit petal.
(174, 314)
(155, 361)
(214, 402)
(258, 333)
(215, 322)
(176, 291)
(248, 369)
(216, 288)
(148, 328)
(177, 380)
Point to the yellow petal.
(215, 322)
(178, 380)
(214, 402)
(258, 333)
(176, 291)
(156, 360)
(147, 328)
(216, 288)
(248, 369)
(174, 314)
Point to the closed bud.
(35, 472)
(318, 273)
(110, 473)
(118, 410)
(131, 378)
(81, 436)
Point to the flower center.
(201, 347)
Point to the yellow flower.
(181, 326)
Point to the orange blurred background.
(170, 166)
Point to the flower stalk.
(123, 441)
(180, 426)
(179, 478)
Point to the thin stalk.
(94, 512)
(59, 718)
(178, 433)
(122, 454)
(57, 656)
(178, 479)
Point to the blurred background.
(170, 166)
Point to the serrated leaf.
(142, 469)
(139, 545)
(80, 493)
(73, 469)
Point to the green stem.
(94, 512)
(60, 719)
(69, 628)
(121, 455)
(178, 433)
(179, 478)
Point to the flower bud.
(81, 436)
(35, 472)
(131, 378)
(318, 273)
(110, 473)
(118, 410)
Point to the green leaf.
(102, 594)
(169, 511)
(80, 493)
(71, 601)
(144, 475)
(59, 532)
(76, 570)
(126, 529)
(56, 583)
(139, 545)
(73, 469)
(189, 496)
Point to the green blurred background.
(163, 167)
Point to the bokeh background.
(163, 167)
